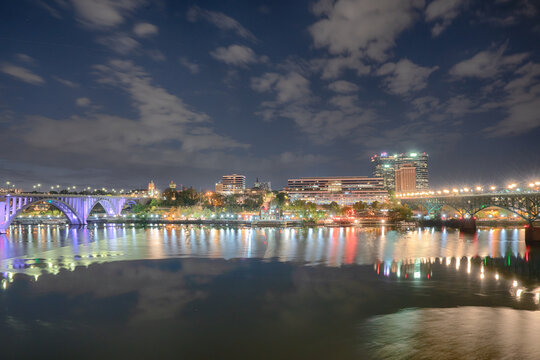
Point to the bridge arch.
(106, 204)
(499, 207)
(73, 217)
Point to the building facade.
(152, 189)
(344, 190)
(385, 166)
(231, 184)
(406, 178)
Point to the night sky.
(115, 93)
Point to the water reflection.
(28, 248)
(180, 288)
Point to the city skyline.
(122, 93)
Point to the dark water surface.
(226, 293)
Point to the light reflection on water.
(312, 246)
(377, 292)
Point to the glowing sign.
(414, 154)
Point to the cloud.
(292, 86)
(26, 59)
(443, 12)
(22, 74)
(522, 103)
(238, 55)
(192, 67)
(65, 82)
(404, 77)
(104, 13)
(487, 64)
(453, 108)
(155, 55)
(333, 67)
(120, 43)
(342, 86)
(515, 12)
(52, 11)
(83, 102)
(340, 117)
(145, 30)
(363, 27)
(166, 130)
(220, 20)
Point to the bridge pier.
(467, 225)
(532, 235)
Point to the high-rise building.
(231, 184)
(385, 166)
(172, 185)
(406, 178)
(344, 190)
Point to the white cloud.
(25, 58)
(166, 130)
(292, 86)
(192, 67)
(487, 64)
(104, 13)
(342, 86)
(443, 12)
(333, 67)
(522, 103)
(342, 117)
(405, 77)
(52, 11)
(145, 30)
(236, 55)
(65, 82)
(21, 73)
(83, 102)
(220, 20)
(155, 54)
(120, 43)
(363, 27)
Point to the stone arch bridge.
(76, 208)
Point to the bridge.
(76, 208)
(526, 204)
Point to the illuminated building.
(385, 166)
(231, 184)
(151, 188)
(172, 186)
(344, 190)
(406, 178)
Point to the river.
(201, 292)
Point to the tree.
(360, 206)
(400, 213)
(281, 199)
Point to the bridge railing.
(442, 194)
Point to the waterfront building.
(406, 178)
(344, 190)
(385, 166)
(231, 184)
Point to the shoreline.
(269, 223)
